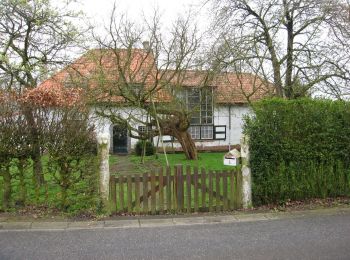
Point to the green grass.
(49, 195)
(209, 161)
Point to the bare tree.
(298, 45)
(140, 75)
(34, 38)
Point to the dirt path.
(127, 165)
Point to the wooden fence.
(176, 191)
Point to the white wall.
(221, 117)
(103, 125)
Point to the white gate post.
(246, 174)
(103, 141)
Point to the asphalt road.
(311, 237)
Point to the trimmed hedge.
(149, 148)
(292, 142)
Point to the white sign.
(230, 162)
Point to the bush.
(296, 146)
(70, 164)
(149, 148)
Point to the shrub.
(296, 146)
(149, 149)
(72, 161)
(70, 164)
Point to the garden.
(299, 150)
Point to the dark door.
(120, 139)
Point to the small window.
(144, 129)
(195, 132)
(207, 132)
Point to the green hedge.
(149, 148)
(295, 144)
(82, 193)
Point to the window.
(195, 132)
(200, 103)
(144, 129)
(207, 132)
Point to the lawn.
(209, 161)
(49, 194)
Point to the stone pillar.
(103, 141)
(246, 174)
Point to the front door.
(120, 139)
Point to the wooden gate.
(176, 191)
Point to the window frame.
(204, 114)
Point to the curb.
(164, 222)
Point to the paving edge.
(164, 222)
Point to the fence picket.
(168, 188)
(232, 190)
(180, 188)
(210, 191)
(224, 190)
(113, 190)
(153, 193)
(203, 184)
(217, 191)
(195, 184)
(145, 192)
(188, 186)
(161, 191)
(121, 193)
(236, 190)
(129, 197)
(137, 193)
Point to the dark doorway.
(120, 139)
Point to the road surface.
(310, 237)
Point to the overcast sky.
(99, 10)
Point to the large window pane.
(200, 102)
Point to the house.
(218, 102)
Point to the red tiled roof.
(98, 69)
(229, 88)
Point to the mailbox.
(232, 158)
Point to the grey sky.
(99, 10)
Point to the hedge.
(296, 145)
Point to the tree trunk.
(35, 142)
(289, 70)
(22, 184)
(187, 144)
(38, 170)
(7, 188)
(64, 187)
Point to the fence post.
(246, 174)
(103, 152)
